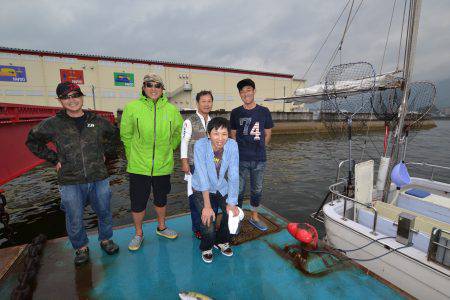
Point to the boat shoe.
(135, 243)
(225, 249)
(81, 256)
(166, 232)
(258, 224)
(109, 247)
(207, 256)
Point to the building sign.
(13, 73)
(73, 76)
(123, 79)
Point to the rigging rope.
(364, 246)
(346, 25)
(407, 43)
(359, 259)
(326, 39)
(387, 37)
(338, 48)
(401, 36)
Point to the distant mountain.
(443, 93)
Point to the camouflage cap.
(64, 88)
(153, 77)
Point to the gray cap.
(153, 77)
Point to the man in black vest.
(194, 128)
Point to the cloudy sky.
(279, 36)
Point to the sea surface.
(299, 170)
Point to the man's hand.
(233, 209)
(58, 166)
(185, 166)
(207, 213)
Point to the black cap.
(64, 88)
(245, 82)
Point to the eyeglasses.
(76, 95)
(153, 85)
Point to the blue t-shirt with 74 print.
(250, 125)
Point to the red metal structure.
(16, 120)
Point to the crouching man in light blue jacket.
(216, 180)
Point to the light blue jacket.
(205, 174)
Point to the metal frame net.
(349, 89)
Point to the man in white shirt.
(194, 128)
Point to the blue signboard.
(13, 73)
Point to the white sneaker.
(207, 256)
(225, 249)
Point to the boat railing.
(439, 246)
(336, 195)
(338, 172)
(318, 215)
(433, 168)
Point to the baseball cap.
(64, 88)
(153, 77)
(245, 82)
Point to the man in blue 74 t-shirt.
(251, 126)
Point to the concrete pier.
(319, 127)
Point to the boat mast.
(411, 39)
(410, 47)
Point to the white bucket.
(382, 174)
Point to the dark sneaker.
(207, 256)
(109, 247)
(81, 256)
(225, 249)
(198, 234)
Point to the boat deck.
(163, 268)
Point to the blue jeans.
(74, 198)
(209, 234)
(254, 170)
(195, 216)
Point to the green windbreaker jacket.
(150, 133)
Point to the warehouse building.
(109, 83)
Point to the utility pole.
(93, 95)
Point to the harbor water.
(299, 170)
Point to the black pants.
(141, 186)
(209, 235)
(195, 216)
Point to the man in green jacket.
(150, 130)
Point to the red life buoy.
(304, 233)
